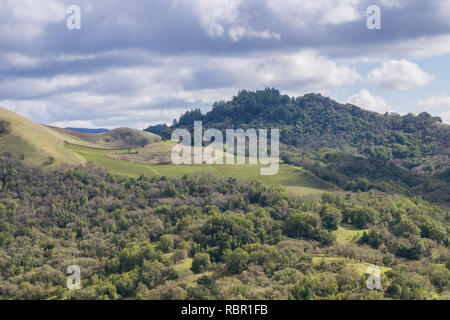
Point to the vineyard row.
(87, 149)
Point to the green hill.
(342, 143)
(117, 138)
(44, 145)
(131, 152)
(35, 143)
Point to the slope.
(342, 143)
(116, 138)
(35, 143)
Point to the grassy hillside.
(42, 144)
(37, 144)
(117, 138)
(294, 179)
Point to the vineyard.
(96, 150)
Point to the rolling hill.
(45, 145)
(348, 146)
(35, 143)
(133, 153)
(117, 138)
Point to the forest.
(207, 237)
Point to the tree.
(236, 260)
(302, 224)
(166, 243)
(406, 227)
(179, 255)
(4, 126)
(200, 262)
(303, 289)
(362, 184)
(225, 232)
(2, 210)
(168, 291)
(152, 273)
(331, 217)
(362, 216)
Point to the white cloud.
(364, 99)
(392, 3)
(136, 96)
(238, 32)
(30, 87)
(168, 76)
(422, 47)
(399, 75)
(434, 103)
(304, 13)
(27, 19)
(225, 17)
(17, 61)
(442, 9)
(215, 14)
(74, 124)
(31, 109)
(437, 106)
(305, 70)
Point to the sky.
(137, 63)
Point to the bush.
(225, 232)
(168, 291)
(166, 243)
(331, 217)
(200, 262)
(362, 216)
(4, 126)
(236, 260)
(179, 255)
(301, 224)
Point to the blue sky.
(140, 62)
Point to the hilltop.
(116, 138)
(47, 146)
(342, 143)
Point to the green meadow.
(295, 179)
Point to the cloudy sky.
(136, 63)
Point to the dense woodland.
(133, 237)
(343, 144)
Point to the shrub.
(236, 260)
(200, 262)
(179, 255)
(301, 224)
(166, 243)
(331, 217)
(168, 291)
(4, 126)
